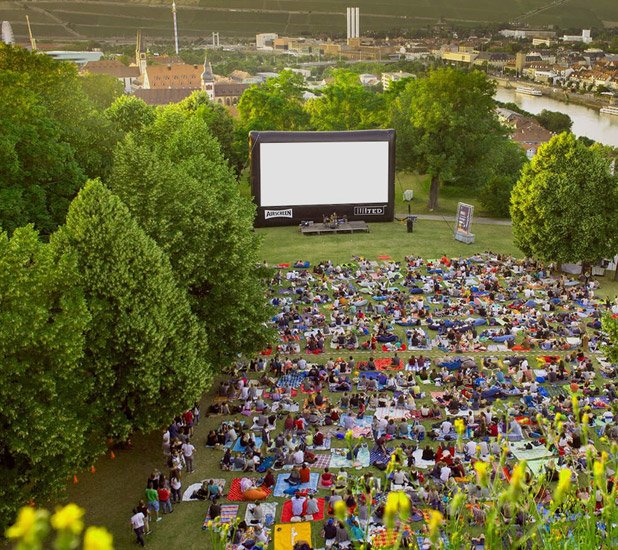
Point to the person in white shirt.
(188, 450)
(298, 504)
(312, 507)
(299, 456)
(470, 448)
(445, 473)
(446, 427)
(137, 523)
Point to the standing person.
(143, 508)
(137, 523)
(176, 486)
(165, 499)
(188, 450)
(152, 500)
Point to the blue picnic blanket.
(282, 487)
(292, 380)
(238, 448)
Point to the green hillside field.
(236, 19)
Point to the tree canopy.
(145, 349)
(565, 205)
(178, 186)
(275, 105)
(446, 127)
(345, 104)
(45, 389)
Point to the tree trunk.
(433, 193)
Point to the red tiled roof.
(163, 96)
(111, 67)
(174, 76)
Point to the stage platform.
(320, 228)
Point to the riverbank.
(585, 100)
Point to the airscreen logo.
(369, 210)
(287, 213)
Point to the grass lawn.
(431, 239)
(109, 494)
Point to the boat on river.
(528, 90)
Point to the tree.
(554, 121)
(38, 173)
(58, 88)
(275, 105)
(129, 114)
(446, 127)
(177, 185)
(565, 205)
(345, 104)
(495, 195)
(221, 125)
(145, 350)
(44, 390)
(101, 89)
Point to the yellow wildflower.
(340, 510)
(460, 427)
(598, 470)
(575, 404)
(349, 435)
(481, 469)
(24, 526)
(69, 518)
(517, 479)
(458, 501)
(564, 484)
(435, 520)
(585, 419)
(98, 538)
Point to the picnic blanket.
(238, 448)
(393, 412)
(419, 462)
(228, 513)
(186, 496)
(536, 466)
(291, 380)
(282, 484)
(235, 494)
(323, 461)
(286, 512)
(325, 446)
(287, 535)
(376, 456)
(521, 453)
(269, 508)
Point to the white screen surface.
(324, 173)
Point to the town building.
(127, 75)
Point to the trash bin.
(410, 223)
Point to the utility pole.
(175, 25)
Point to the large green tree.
(101, 89)
(58, 88)
(275, 105)
(144, 350)
(38, 173)
(345, 104)
(565, 205)
(179, 187)
(221, 125)
(495, 192)
(446, 127)
(45, 390)
(129, 114)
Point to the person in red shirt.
(289, 423)
(269, 479)
(305, 474)
(165, 502)
(327, 478)
(318, 439)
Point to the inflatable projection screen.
(304, 176)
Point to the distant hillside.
(108, 19)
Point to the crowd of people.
(434, 366)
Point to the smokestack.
(357, 23)
(175, 25)
(348, 16)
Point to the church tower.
(140, 56)
(208, 80)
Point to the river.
(586, 121)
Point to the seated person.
(326, 479)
